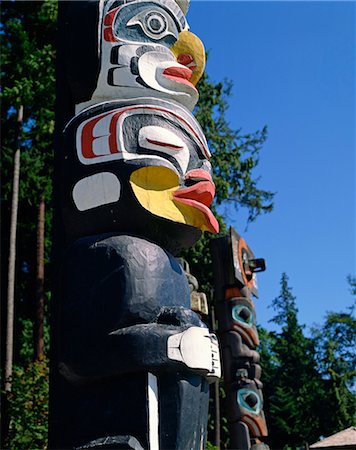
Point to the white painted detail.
(125, 53)
(96, 190)
(153, 413)
(215, 354)
(173, 144)
(100, 146)
(151, 66)
(202, 438)
(101, 12)
(197, 349)
(122, 77)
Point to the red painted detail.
(109, 36)
(108, 22)
(179, 74)
(165, 144)
(199, 196)
(110, 16)
(200, 174)
(247, 333)
(212, 223)
(180, 80)
(248, 279)
(202, 192)
(185, 59)
(87, 137)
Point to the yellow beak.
(189, 44)
(154, 187)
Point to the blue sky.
(293, 69)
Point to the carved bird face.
(147, 50)
(143, 155)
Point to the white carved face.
(146, 50)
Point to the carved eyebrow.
(164, 144)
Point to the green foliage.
(28, 79)
(308, 381)
(224, 429)
(336, 343)
(28, 406)
(293, 384)
(352, 282)
(26, 351)
(234, 155)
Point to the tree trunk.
(39, 317)
(12, 259)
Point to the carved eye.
(165, 141)
(154, 24)
(242, 314)
(250, 400)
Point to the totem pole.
(132, 362)
(234, 268)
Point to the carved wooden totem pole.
(235, 282)
(131, 360)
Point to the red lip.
(179, 74)
(199, 196)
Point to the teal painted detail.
(243, 314)
(250, 400)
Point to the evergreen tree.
(352, 282)
(294, 387)
(269, 365)
(336, 343)
(27, 71)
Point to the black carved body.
(122, 296)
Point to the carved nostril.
(185, 59)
